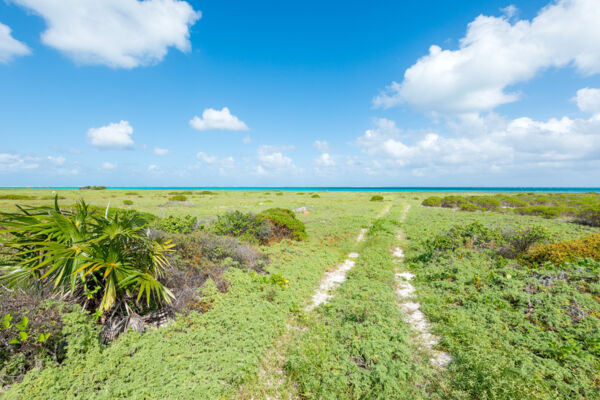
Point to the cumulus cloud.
(516, 144)
(112, 136)
(9, 46)
(247, 139)
(324, 160)
(60, 160)
(496, 53)
(116, 33)
(217, 120)
(160, 151)
(321, 145)
(272, 160)
(588, 100)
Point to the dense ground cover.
(515, 326)
(514, 329)
(208, 355)
(583, 208)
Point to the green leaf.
(23, 324)
(6, 321)
(23, 336)
(14, 341)
(43, 337)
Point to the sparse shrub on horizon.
(128, 202)
(432, 201)
(315, 196)
(376, 198)
(178, 197)
(17, 197)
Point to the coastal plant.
(376, 198)
(174, 224)
(178, 197)
(247, 226)
(102, 261)
(284, 224)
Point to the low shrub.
(178, 197)
(566, 251)
(206, 192)
(173, 224)
(17, 197)
(540, 211)
(128, 202)
(284, 224)
(452, 201)
(519, 242)
(31, 333)
(433, 201)
(92, 188)
(589, 216)
(52, 197)
(376, 198)
(315, 196)
(279, 194)
(469, 207)
(131, 194)
(484, 202)
(246, 226)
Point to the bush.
(540, 211)
(469, 207)
(128, 202)
(589, 216)
(131, 194)
(376, 198)
(17, 197)
(433, 201)
(246, 226)
(279, 194)
(315, 196)
(206, 192)
(92, 188)
(178, 197)
(484, 202)
(31, 333)
(567, 251)
(172, 224)
(284, 224)
(452, 201)
(520, 241)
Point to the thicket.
(566, 251)
(178, 197)
(581, 208)
(377, 198)
(174, 224)
(17, 197)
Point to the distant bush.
(519, 242)
(247, 226)
(17, 197)
(92, 188)
(376, 198)
(589, 216)
(279, 194)
(315, 196)
(284, 224)
(469, 207)
(484, 202)
(171, 224)
(452, 201)
(567, 251)
(433, 201)
(178, 197)
(131, 194)
(52, 197)
(187, 192)
(128, 202)
(541, 211)
(206, 192)
(300, 193)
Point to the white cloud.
(496, 53)
(108, 166)
(153, 168)
(60, 160)
(517, 144)
(14, 162)
(588, 100)
(112, 136)
(321, 145)
(215, 119)
(9, 46)
(160, 152)
(116, 33)
(325, 160)
(247, 139)
(271, 159)
(225, 162)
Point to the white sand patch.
(353, 255)
(361, 235)
(414, 316)
(332, 279)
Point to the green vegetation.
(92, 188)
(513, 297)
(16, 197)
(105, 261)
(172, 224)
(581, 208)
(178, 197)
(315, 196)
(284, 224)
(357, 346)
(515, 329)
(377, 198)
(127, 202)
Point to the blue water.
(359, 189)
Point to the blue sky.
(224, 93)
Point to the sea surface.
(356, 189)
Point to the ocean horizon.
(391, 189)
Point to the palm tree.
(104, 260)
